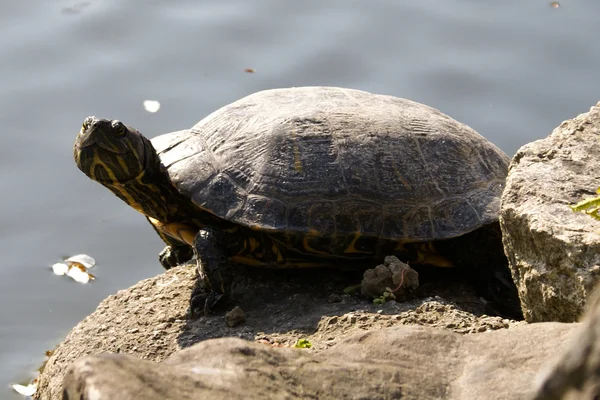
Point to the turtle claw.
(211, 300)
(173, 256)
(205, 302)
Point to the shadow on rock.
(281, 306)
(151, 320)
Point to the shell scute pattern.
(335, 161)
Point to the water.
(513, 70)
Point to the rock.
(235, 317)
(150, 320)
(155, 307)
(554, 253)
(409, 362)
(576, 375)
(393, 274)
(334, 298)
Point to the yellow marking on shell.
(277, 252)
(351, 249)
(177, 230)
(307, 246)
(253, 244)
(253, 262)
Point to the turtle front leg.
(179, 239)
(177, 251)
(208, 245)
(175, 254)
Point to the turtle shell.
(332, 161)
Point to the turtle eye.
(120, 129)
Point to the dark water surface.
(513, 70)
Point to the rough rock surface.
(576, 376)
(150, 320)
(554, 253)
(409, 362)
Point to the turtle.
(301, 177)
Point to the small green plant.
(590, 207)
(387, 295)
(303, 344)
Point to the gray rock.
(393, 274)
(576, 375)
(554, 253)
(144, 320)
(409, 362)
(149, 321)
(235, 317)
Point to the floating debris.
(555, 4)
(28, 390)
(60, 268)
(78, 275)
(151, 105)
(83, 260)
(76, 267)
(249, 70)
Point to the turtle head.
(110, 152)
(124, 161)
